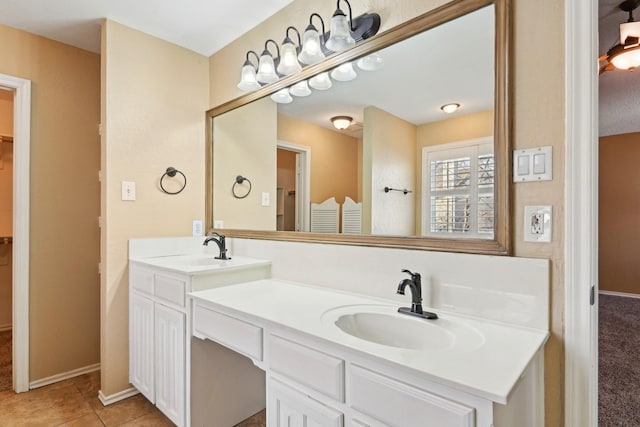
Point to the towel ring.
(239, 180)
(171, 172)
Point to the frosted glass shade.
(627, 60)
(282, 96)
(344, 72)
(321, 81)
(371, 62)
(266, 69)
(289, 59)
(248, 80)
(300, 89)
(340, 37)
(341, 122)
(311, 48)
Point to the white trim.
(21, 221)
(64, 376)
(117, 397)
(619, 294)
(581, 215)
(304, 204)
(5, 328)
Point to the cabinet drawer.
(309, 367)
(141, 280)
(401, 405)
(236, 334)
(170, 289)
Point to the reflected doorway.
(292, 188)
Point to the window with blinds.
(458, 183)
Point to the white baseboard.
(63, 376)
(6, 327)
(117, 397)
(619, 294)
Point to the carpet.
(5, 361)
(618, 361)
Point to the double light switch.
(533, 164)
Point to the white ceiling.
(619, 90)
(204, 26)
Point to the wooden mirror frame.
(501, 243)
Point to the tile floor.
(75, 403)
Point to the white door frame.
(581, 214)
(303, 196)
(20, 285)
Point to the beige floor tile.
(124, 411)
(88, 384)
(89, 420)
(154, 419)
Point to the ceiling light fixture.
(341, 122)
(626, 54)
(312, 49)
(450, 108)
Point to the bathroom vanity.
(333, 359)
(160, 277)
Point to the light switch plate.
(533, 164)
(265, 199)
(128, 190)
(197, 228)
(218, 224)
(537, 224)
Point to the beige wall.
(334, 158)
(454, 129)
(389, 145)
(538, 119)
(154, 95)
(65, 153)
(245, 144)
(618, 206)
(6, 208)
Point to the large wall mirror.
(403, 173)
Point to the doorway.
(6, 237)
(293, 187)
(20, 89)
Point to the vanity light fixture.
(300, 89)
(626, 54)
(248, 79)
(311, 51)
(340, 37)
(344, 72)
(321, 81)
(266, 67)
(450, 108)
(289, 60)
(282, 96)
(371, 62)
(341, 122)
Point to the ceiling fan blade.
(603, 58)
(606, 67)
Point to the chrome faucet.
(220, 240)
(415, 285)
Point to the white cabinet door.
(170, 363)
(287, 407)
(141, 361)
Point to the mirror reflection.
(392, 162)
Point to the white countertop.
(489, 370)
(196, 264)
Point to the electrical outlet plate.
(128, 190)
(537, 224)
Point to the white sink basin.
(383, 325)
